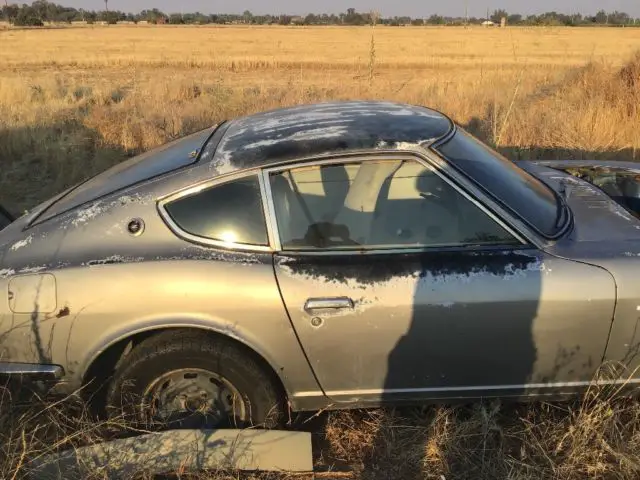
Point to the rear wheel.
(188, 379)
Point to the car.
(329, 256)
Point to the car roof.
(266, 137)
(323, 128)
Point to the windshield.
(515, 189)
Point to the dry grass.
(75, 101)
(596, 437)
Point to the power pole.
(106, 5)
(466, 12)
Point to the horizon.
(412, 8)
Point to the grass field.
(74, 101)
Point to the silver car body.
(88, 272)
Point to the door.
(400, 286)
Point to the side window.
(228, 212)
(378, 204)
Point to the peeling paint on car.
(7, 272)
(32, 269)
(113, 259)
(21, 243)
(470, 268)
(86, 214)
(330, 127)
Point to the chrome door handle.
(328, 303)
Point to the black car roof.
(316, 129)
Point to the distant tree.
(40, 11)
(90, 17)
(514, 19)
(497, 16)
(176, 19)
(601, 17)
(354, 18)
(28, 17)
(435, 20)
(10, 12)
(619, 18)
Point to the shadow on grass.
(41, 161)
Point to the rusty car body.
(337, 255)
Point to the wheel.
(188, 379)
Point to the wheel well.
(99, 374)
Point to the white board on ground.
(182, 450)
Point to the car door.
(401, 286)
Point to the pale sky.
(414, 8)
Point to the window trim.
(434, 149)
(212, 183)
(397, 248)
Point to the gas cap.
(135, 226)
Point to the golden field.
(74, 101)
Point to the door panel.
(465, 309)
(446, 323)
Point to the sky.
(413, 8)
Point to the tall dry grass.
(597, 436)
(75, 101)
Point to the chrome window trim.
(441, 164)
(270, 210)
(418, 155)
(434, 155)
(205, 185)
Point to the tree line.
(42, 11)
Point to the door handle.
(328, 303)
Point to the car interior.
(621, 185)
(382, 203)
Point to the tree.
(498, 15)
(435, 20)
(176, 19)
(601, 17)
(28, 17)
(514, 19)
(10, 12)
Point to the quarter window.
(231, 212)
(381, 204)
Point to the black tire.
(173, 350)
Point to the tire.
(190, 379)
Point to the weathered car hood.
(602, 228)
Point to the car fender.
(291, 368)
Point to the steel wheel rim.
(193, 398)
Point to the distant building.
(297, 20)
(488, 23)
